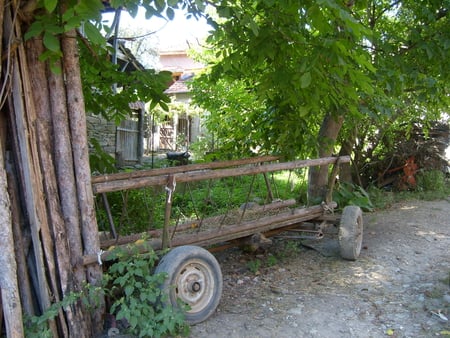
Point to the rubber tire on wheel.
(351, 232)
(195, 278)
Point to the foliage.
(100, 161)
(141, 301)
(433, 180)
(37, 326)
(140, 210)
(100, 76)
(431, 185)
(299, 60)
(350, 194)
(134, 211)
(135, 290)
(233, 118)
(100, 80)
(377, 62)
(254, 265)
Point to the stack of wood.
(47, 216)
(421, 150)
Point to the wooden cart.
(194, 275)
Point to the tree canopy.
(371, 61)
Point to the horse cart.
(194, 275)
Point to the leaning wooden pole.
(12, 309)
(22, 121)
(80, 150)
(44, 126)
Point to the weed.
(254, 265)
(141, 302)
(351, 194)
(272, 260)
(136, 294)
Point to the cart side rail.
(151, 178)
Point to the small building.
(181, 129)
(125, 141)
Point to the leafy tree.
(409, 42)
(305, 62)
(312, 64)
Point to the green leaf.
(35, 29)
(93, 34)
(305, 80)
(129, 289)
(51, 42)
(88, 9)
(170, 13)
(50, 5)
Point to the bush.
(141, 301)
(433, 180)
(351, 194)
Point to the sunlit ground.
(409, 207)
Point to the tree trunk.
(318, 176)
(345, 173)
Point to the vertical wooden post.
(8, 270)
(170, 188)
(80, 150)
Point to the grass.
(140, 210)
(431, 186)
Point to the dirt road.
(399, 287)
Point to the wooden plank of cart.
(194, 275)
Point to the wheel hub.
(195, 287)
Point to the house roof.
(178, 87)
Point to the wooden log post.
(22, 118)
(80, 150)
(10, 298)
(170, 189)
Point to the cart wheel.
(195, 278)
(351, 232)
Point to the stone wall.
(103, 131)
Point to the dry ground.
(399, 287)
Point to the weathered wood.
(182, 169)
(10, 298)
(21, 242)
(65, 172)
(80, 149)
(191, 224)
(232, 232)
(46, 239)
(24, 148)
(211, 237)
(44, 128)
(191, 176)
(170, 189)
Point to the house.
(140, 133)
(180, 128)
(125, 141)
